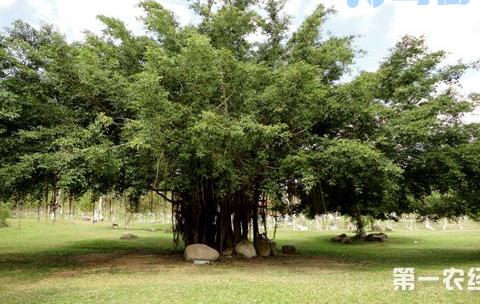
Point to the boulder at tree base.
(245, 249)
(201, 252)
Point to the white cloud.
(359, 20)
(180, 9)
(74, 17)
(453, 28)
(6, 3)
(471, 83)
(305, 7)
(345, 12)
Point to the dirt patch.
(127, 260)
(136, 262)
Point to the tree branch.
(165, 197)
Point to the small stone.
(263, 247)
(376, 237)
(273, 245)
(228, 252)
(245, 249)
(342, 238)
(289, 250)
(128, 236)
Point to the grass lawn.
(80, 263)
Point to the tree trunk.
(70, 198)
(73, 207)
(93, 210)
(110, 208)
(219, 221)
(101, 201)
(38, 210)
(126, 210)
(60, 199)
(360, 226)
(54, 205)
(46, 203)
(18, 212)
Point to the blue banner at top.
(377, 3)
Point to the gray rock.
(342, 238)
(128, 236)
(201, 252)
(273, 245)
(245, 249)
(228, 252)
(263, 247)
(376, 237)
(289, 250)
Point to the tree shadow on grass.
(397, 251)
(316, 252)
(84, 253)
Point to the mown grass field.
(81, 263)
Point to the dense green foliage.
(223, 127)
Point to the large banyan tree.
(233, 114)
(220, 111)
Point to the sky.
(453, 28)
